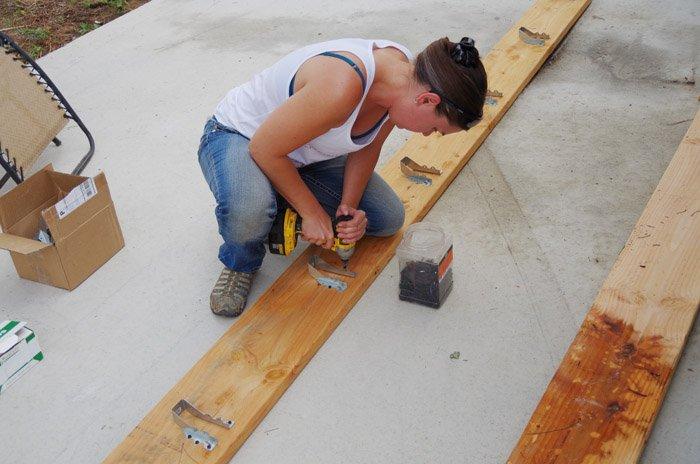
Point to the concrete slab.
(539, 216)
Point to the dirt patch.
(40, 26)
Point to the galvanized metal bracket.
(532, 38)
(412, 170)
(207, 441)
(491, 96)
(318, 263)
(329, 282)
(420, 167)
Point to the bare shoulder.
(333, 79)
(391, 53)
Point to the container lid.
(424, 240)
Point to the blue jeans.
(246, 202)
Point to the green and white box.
(19, 351)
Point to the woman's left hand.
(351, 231)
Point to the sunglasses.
(468, 124)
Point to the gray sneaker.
(228, 298)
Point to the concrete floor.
(539, 216)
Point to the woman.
(310, 128)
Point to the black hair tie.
(465, 53)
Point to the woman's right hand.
(317, 229)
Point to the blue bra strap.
(351, 63)
(340, 57)
(379, 123)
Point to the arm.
(358, 170)
(316, 107)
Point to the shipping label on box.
(76, 197)
(19, 352)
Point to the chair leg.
(12, 172)
(56, 141)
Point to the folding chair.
(32, 113)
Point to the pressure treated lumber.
(603, 399)
(252, 364)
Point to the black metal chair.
(32, 112)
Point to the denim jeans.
(246, 202)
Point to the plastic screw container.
(425, 264)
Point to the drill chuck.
(344, 250)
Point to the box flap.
(21, 245)
(61, 226)
(26, 197)
(10, 327)
(66, 182)
(29, 225)
(8, 334)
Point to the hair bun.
(465, 53)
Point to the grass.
(35, 51)
(40, 26)
(118, 5)
(35, 34)
(84, 28)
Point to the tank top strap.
(352, 64)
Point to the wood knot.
(275, 374)
(613, 408)
(628, 350)
(613, 325)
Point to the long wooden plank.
(253, 363)
(603, 399)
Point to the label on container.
(445, 264)
(76, 197)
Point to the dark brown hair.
(455, 73)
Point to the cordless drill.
(286, 229)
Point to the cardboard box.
(19, 352)
(80, 217)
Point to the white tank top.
(247, 106)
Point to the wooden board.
(603, 399)
(253, 363)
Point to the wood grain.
(253, 363)
(603, 399)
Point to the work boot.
(230, 293)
